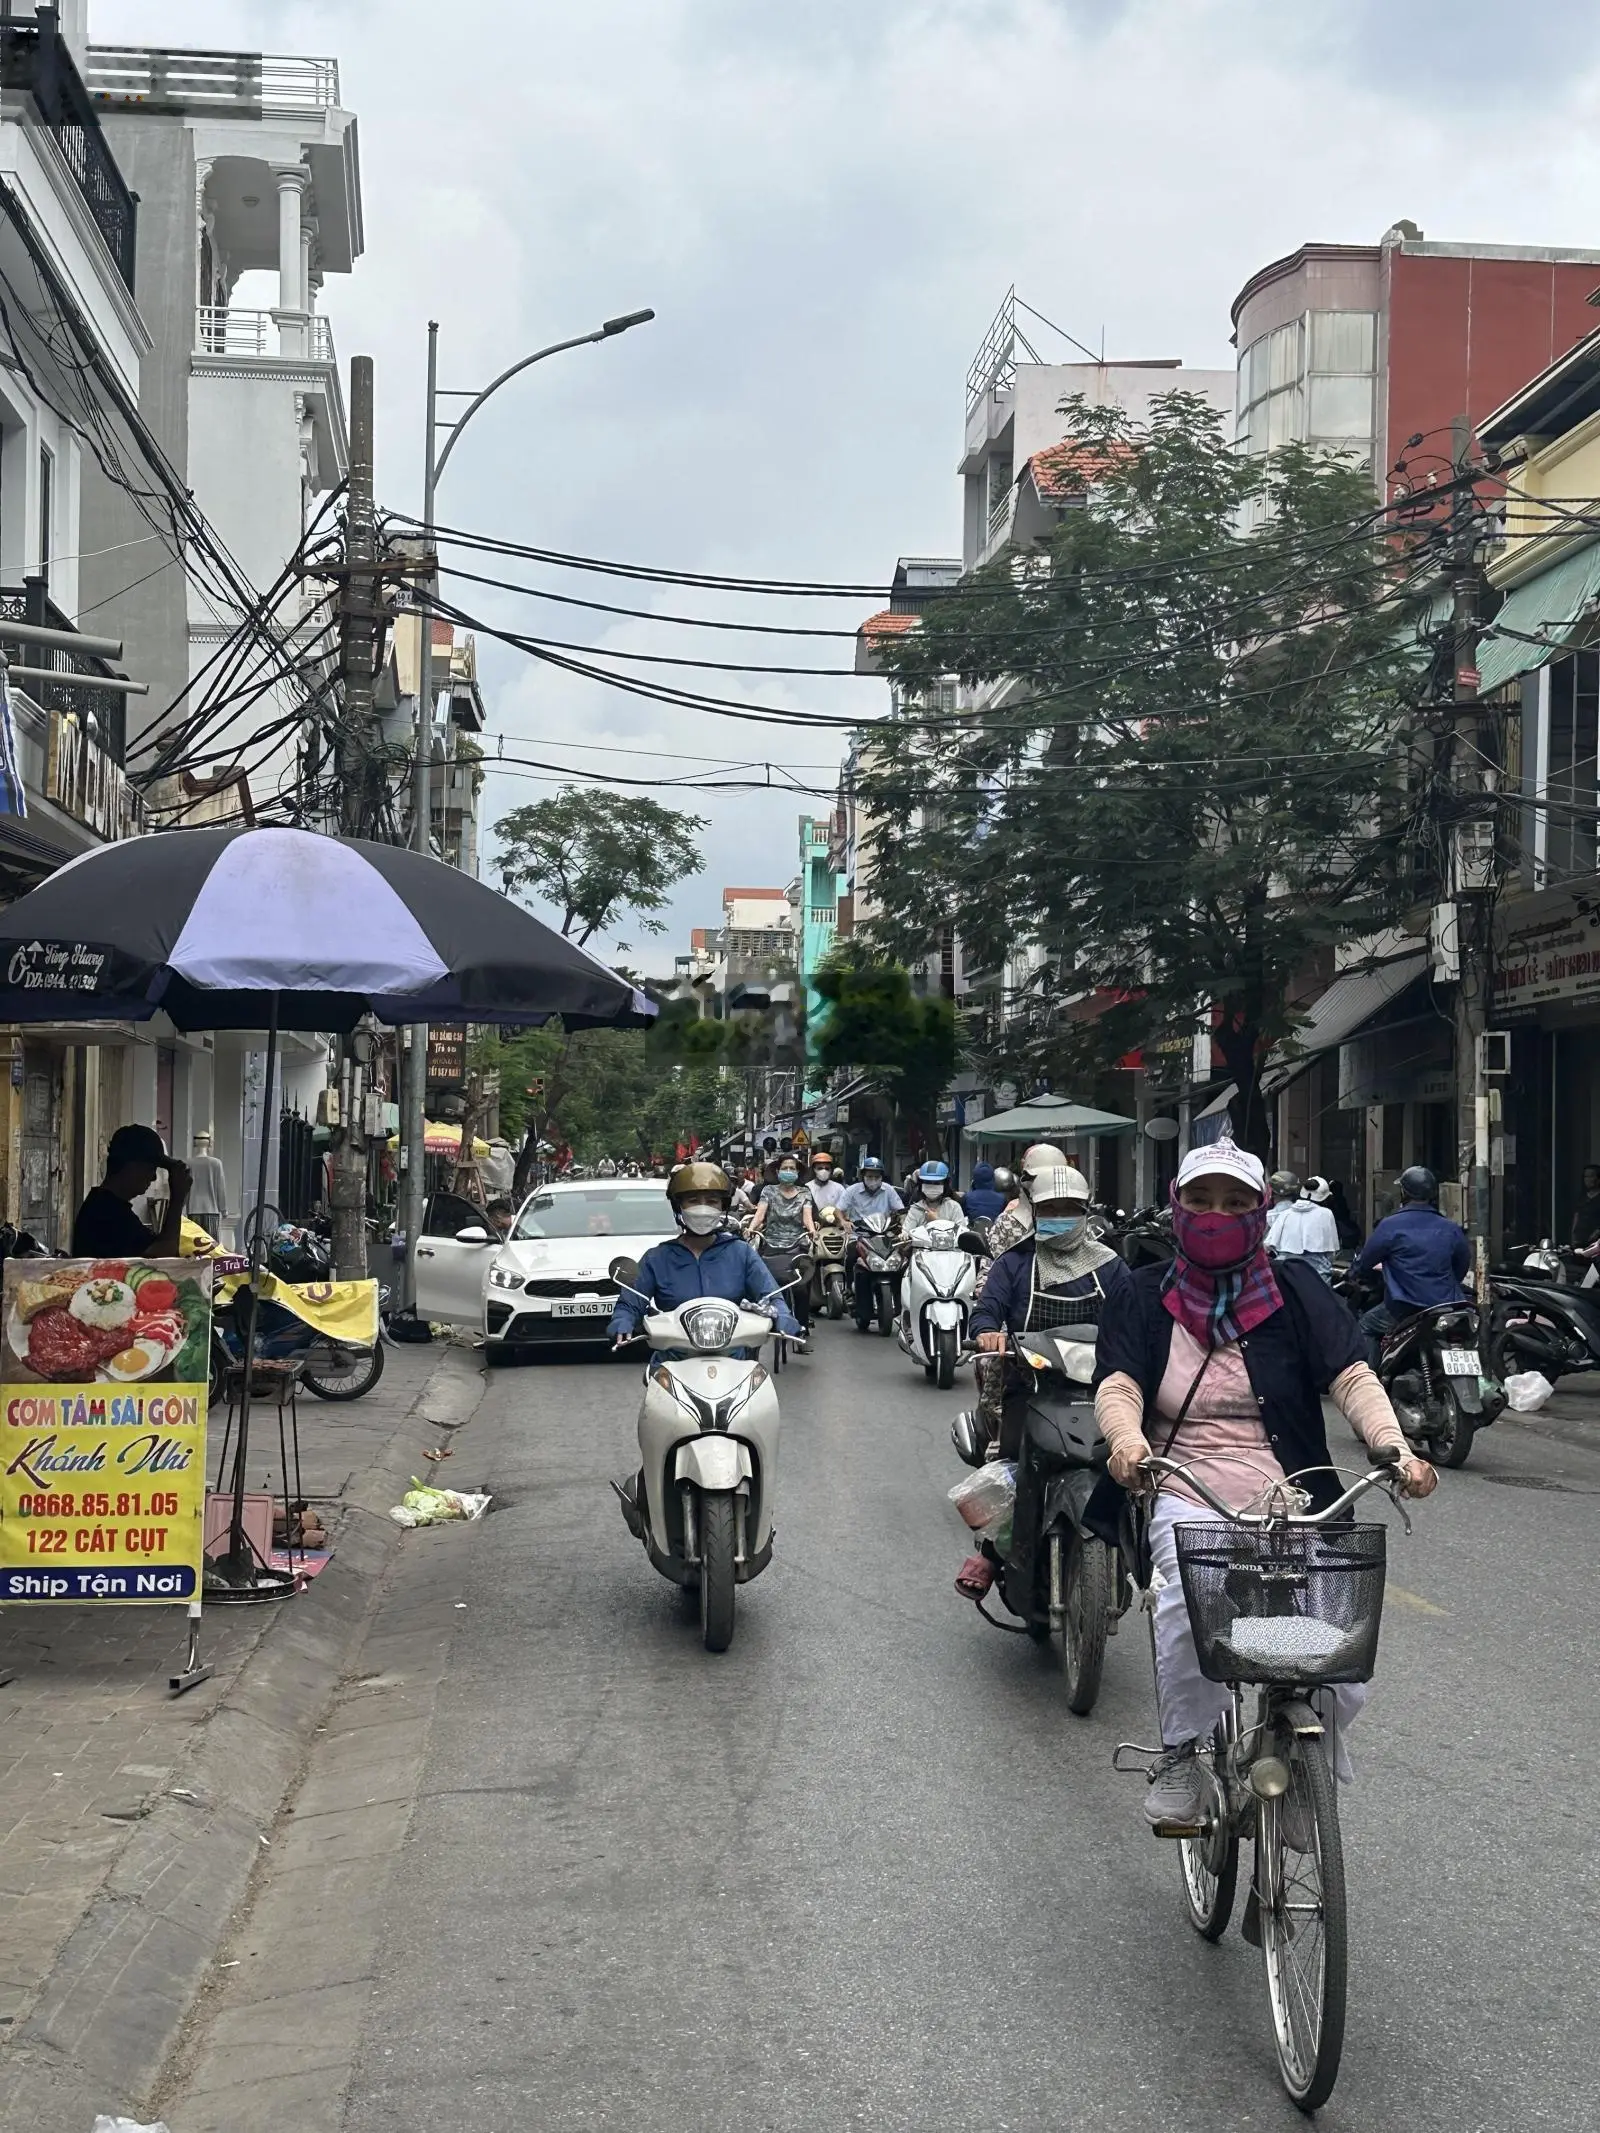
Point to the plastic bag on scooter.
(1527, 1391)
(986, 1497)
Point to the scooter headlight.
(710, 1325)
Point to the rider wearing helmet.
(1017, 1221)
(934, 1201)
(706, 1258)
(826, 1190)
(872, 1194)
(1300, 1226)
(1424, 1255)
(983, 1196)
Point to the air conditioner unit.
(1474, 856)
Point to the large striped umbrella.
(213, 926)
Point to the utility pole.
(359, 620)
(414, 1087)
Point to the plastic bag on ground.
(425, 1506)
(1527, 1391)
(126, 2125)
(984, 1498)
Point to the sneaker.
(1176, 1795)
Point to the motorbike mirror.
(970, 1241)
(624, 1272)
(472, 1234)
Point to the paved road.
(866, 1869)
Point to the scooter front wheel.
(717, 1581)
(944, 1357)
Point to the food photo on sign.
(103, 1375)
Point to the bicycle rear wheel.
(1300, 1891)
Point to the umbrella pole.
(239, 1555)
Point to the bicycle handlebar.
(1384, 1477)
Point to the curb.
(109, 2015)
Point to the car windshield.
(598, 1210)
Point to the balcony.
(127, 77)
(223, 332)
(36, 59)
(100, 713)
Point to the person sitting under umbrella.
(106, 1226)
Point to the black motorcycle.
(1546, 1317)
(876, 1273)
(1055, 1575)
(1143, 1238)
(1432, 1368)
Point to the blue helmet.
(934, 1174)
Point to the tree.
(608, 1092)
(873, 1020)
(596, 855)
(1191, 788)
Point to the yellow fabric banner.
(341, 1310)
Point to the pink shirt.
(1222, 1436)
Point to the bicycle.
(1283, 1601)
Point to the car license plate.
(581, 1307)
(1460, 1362)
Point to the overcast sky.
(825, 205)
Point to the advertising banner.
(104, 1365)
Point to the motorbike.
(828, 1255)
(333, 1369)
(1057, 1576)
(877, 1273)
(936, 1298)
(1144, 1238)
(1433, 1371)
(708, 1448)
(1543, 1319)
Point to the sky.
(825, 205)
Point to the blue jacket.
(670, 1275)
(983, 1202)
(1424, 1256)
(1008, 1285)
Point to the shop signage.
(57, 966)
(103, 1374)
(447, 1054)
(1555, 958)
(82, 778)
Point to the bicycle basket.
(1297, 1604)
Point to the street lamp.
(433, 465)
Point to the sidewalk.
(130, 1821)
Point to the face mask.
(788, 1177)
(933, 1192)
(1218, 1242)
(700, 1221)
(1062, 1227)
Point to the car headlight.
(710, 1325)
(504, 1277)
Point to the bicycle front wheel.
(1210, 1862)
(1300, 1892)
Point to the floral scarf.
(1221, 1305)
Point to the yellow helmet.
(699, 1177)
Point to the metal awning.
(1538, 618)
(1348, 1002)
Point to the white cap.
(1224, 1158)
(1059, 1182)
(1319, 1191)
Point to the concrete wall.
(245, 469)
(156, 157)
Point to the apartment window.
(1310, 380)
(1570, 780)
(47, 469)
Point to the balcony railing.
(222, 332)
(100, 712)
(35, 57)
(225, 84)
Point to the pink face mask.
(1217, 1242)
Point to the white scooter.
(708, 1448)
(936, 1297)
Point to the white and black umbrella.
(282, 929)
(212, 926)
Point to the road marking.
(1413, 1600)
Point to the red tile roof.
(1067, 469)
(887, 623)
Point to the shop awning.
(1538, 618)
(1349, 1001)
(1044, 1118)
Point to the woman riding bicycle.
(1222, 1359)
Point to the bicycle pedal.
(1177, 1829)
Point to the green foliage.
(873, 1021)
(596, 855)
(1189, 790)
(607, 1093)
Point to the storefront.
(1547, 993)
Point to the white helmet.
(1060, 1181)
(1043, 1155)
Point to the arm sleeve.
(897, 1206)
(1371, 1252)
(992, 1313)
(1364, 1404)
(630, 1309)
(1119, 1410)
(1119, 1351)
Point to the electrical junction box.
(1474, 856)
(1494, 1052)
(372, 1115)
(328, 1107)
(1444, 943)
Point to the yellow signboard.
(103, 1372)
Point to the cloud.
(825, 205)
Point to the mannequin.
(208, 1203)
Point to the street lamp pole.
(415, 1062)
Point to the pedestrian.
(1220, 1360)
(1424, 1256)
(106, 1226)
(1299, 1227)
(783, 1228)
(1586, 1222)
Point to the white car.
(551, 1280)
